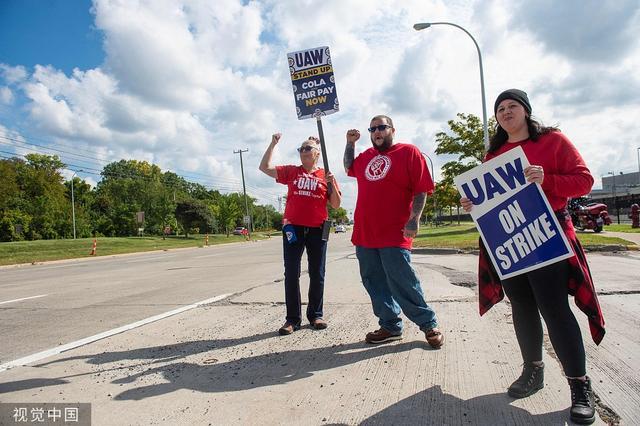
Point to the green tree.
(447, 196)
(83, 196)
(14, 225)
(266, 217)
(466, 140)
(127, 187)
(194, 214)
(44, 196)
(338, 215)
(9, 189)
(228, 213)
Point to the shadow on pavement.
(163, 353)
(210, 375)
(257, 371)
(29, 384)
(433, 407)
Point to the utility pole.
(244, 189)
(73, 202)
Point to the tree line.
(35, 199)
(35, 202)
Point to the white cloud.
(185, 83)
(6, 95)
(12, 75)
(598, 31)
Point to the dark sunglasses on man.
(381, 128)
(305, 148)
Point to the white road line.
(24, 298)
(210, 255)
(63, 348)
(146, 259)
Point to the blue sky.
(49, 32)
(184, 83)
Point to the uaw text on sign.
(514, 218)
(313, 82)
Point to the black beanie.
(515, 94)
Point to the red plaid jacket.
(580, 284)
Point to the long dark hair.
(535, 129)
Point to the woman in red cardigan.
(558, 167)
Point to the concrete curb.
(588, 248)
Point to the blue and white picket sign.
(314, 87)
(514, 217)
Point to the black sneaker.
(530, 381)
(583, 409)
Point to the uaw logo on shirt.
(306, 185)
(378, 167)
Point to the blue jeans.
(392, 284)
(311, 239)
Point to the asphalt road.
(223, 363)
(50, 304)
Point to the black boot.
(530, 381)
(583, 407)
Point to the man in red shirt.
(393, 183)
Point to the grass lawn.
(42, 250)
(624, 227)
(465, 236)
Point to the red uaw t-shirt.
(565, 173)
(387, 183)
(306, 197)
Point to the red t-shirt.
(307, 195)
(387, 183)
(565, 172)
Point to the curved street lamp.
(424, 25)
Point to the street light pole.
(73, 204)
(244, 189)
(424, 25)
(638, 152)
(615, 197)
(433, 176)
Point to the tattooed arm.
(411, 228)
(349, 151)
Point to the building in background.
(619, 192)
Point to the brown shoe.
(288, 328)
(434, 338)
(319, 324)
(381, 336)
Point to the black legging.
(544, 291)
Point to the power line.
(222, 182)
(228, 185)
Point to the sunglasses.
(380, 128)
(305, 148)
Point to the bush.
(14, 225)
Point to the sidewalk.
(634, 237)
(225, 364)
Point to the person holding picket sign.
(305, 211)
(560, 170)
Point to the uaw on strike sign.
(516, 222)
(314, 87)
